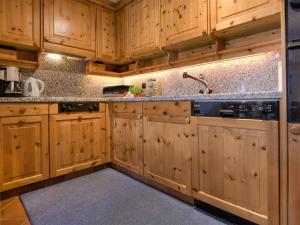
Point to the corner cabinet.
(184, 22)
(169, 140)
(20, 23)
(106, 35)
(127, 134)
(122, 33)
(77, 141)
(231, 13)
(24, 154)
(69, 27)
(145, 28)
(236, 167)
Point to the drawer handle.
(21, 122)
(80, 118)
(295, 130)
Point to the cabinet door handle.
(295, 130)
(22, 110)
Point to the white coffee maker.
(13, 82)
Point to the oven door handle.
(293, 44)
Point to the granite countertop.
(210, 97)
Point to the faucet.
(201, 79)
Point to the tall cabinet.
(20, 23)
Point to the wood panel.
(127, 107)
(236, 167)
(173, 108)
(183, 21)
(106, 35)
(77, 141)
(23, 109)
(168, 153)
(227, 14)
(70, 23)
(293, 174)
(20, 23)
(128, 141)
(122, 32)
(24, 154)
(145, 28)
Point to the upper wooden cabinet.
(69, 27)
(106, 35)
(122, 33)
(184, 22)
(231, 13)
(145, 28)
(20, 23)
(236, 167)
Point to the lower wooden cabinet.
(294, 176)
(236, 167)
(128, 141)
(168, 146)
(24, 154)
(77, 141)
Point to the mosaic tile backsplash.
(65, 77)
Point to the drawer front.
(127, 107)
(22, 109)
(173, 108)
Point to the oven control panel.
(77, 107)
(264, 110)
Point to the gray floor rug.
(109, 197)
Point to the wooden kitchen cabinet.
(145, 28)
(69, 27)
(254, 14)
(293, 177)
(169, 140)
(24, 154)
(236, 167)
(127, 133)
(20, 23)
(106, 35)
(122, 33)
(77, 141)
(184, 23)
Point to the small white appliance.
(33, 87)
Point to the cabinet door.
(128, 141)
(70, 23)
(238, 168)
(76, 142)
(20, 23)
(294, 177)
(122, 31)
(183, 20)
(228, 13)
(24, 155)
(106, 35)
(144, 16)
(168, 152)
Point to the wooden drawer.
(23, 109)
(127, 107)
(173, 108)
